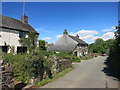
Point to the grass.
(48, 80)
(86, 58)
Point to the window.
(4, 49)
(21, 50)
(22, 34)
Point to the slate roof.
(78, 40)
(15, 24)
(65, 48)
(66, 43)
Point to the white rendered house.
(11, 30)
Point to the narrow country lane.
(88, 74)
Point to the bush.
(17, 61)
(87, 57)
(34, 64)
(27, 65)
(75, 59)
(68, 56)
(63, 55)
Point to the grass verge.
(87, 58)
(48, 80)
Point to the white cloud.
(87, 35)
(84, 32)
(113, 27)
(47, 38)
(107, 30)
(108, 35)
(91, 35)
(59, 36)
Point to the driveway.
(87, 74)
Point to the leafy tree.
(114, 56)
(42, 44)
(98, 46)
(30, 41)
(99, 41)
(101, 46)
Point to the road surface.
(87, 74)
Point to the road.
(87, 74)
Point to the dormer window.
(21, 34)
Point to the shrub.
(63, 55)
(34, 64)
(75, 59)
(68, 55)
(17, 61)
(27, 65)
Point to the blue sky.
(90, 20)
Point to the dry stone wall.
(6, 75)
(57, 64)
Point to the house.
(11, 30)
(48, 45)
(68, 43)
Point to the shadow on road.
(19, 86)
(109, 71)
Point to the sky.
(90, 20)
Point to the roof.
(65, 48)
(78, 40)
(66, 43)
(15, 24)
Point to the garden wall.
(56, 64)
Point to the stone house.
(11, 30)
(68, 43)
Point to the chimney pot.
(24, 19)
(65, 32)
(77, 36)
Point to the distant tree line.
(100, 46)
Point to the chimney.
(65, 32)
(24, 19)
(77, 36)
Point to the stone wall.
(57, 64)
(6, 75)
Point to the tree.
(101, 46)
(98, 46)
(99, 41)
(30, 41)
(110, 43)
(42, 44)
(114, 56)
